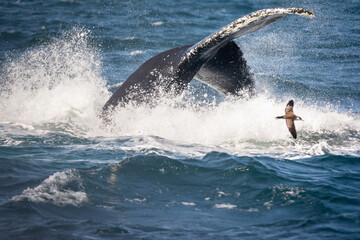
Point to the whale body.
(216, 61)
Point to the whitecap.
(159, 23)
(55, 190)
(137, 52)
(225, 205)
(188, 203)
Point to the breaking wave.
(56, 189)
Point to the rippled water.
(199, 166)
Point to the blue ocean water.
(201, 166)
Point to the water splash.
(53, 81)
(244, 127)
(58, 86)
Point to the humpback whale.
(216, 61)
(290, 117)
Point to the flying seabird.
(290, 117)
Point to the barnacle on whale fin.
(303, 12)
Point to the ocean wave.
(56, 189)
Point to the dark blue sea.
(200, 166)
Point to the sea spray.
(53, 81)
(59, 86)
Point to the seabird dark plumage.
(290, 117)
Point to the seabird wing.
(290, 124)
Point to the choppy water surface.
(200, 166)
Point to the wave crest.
(56, 190)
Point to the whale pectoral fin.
(209, 46)
(227, 72)
(224, 67)
(215, 60)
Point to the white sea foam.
(159, 23)
(288, 195)
(55, 190)
(188, 203)
(250, 210)
(136, 200)
(6, 141)
(137, 52)
(53, 81)
(245, 127)
(223, 194)
(225, 205)
(130, 38)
